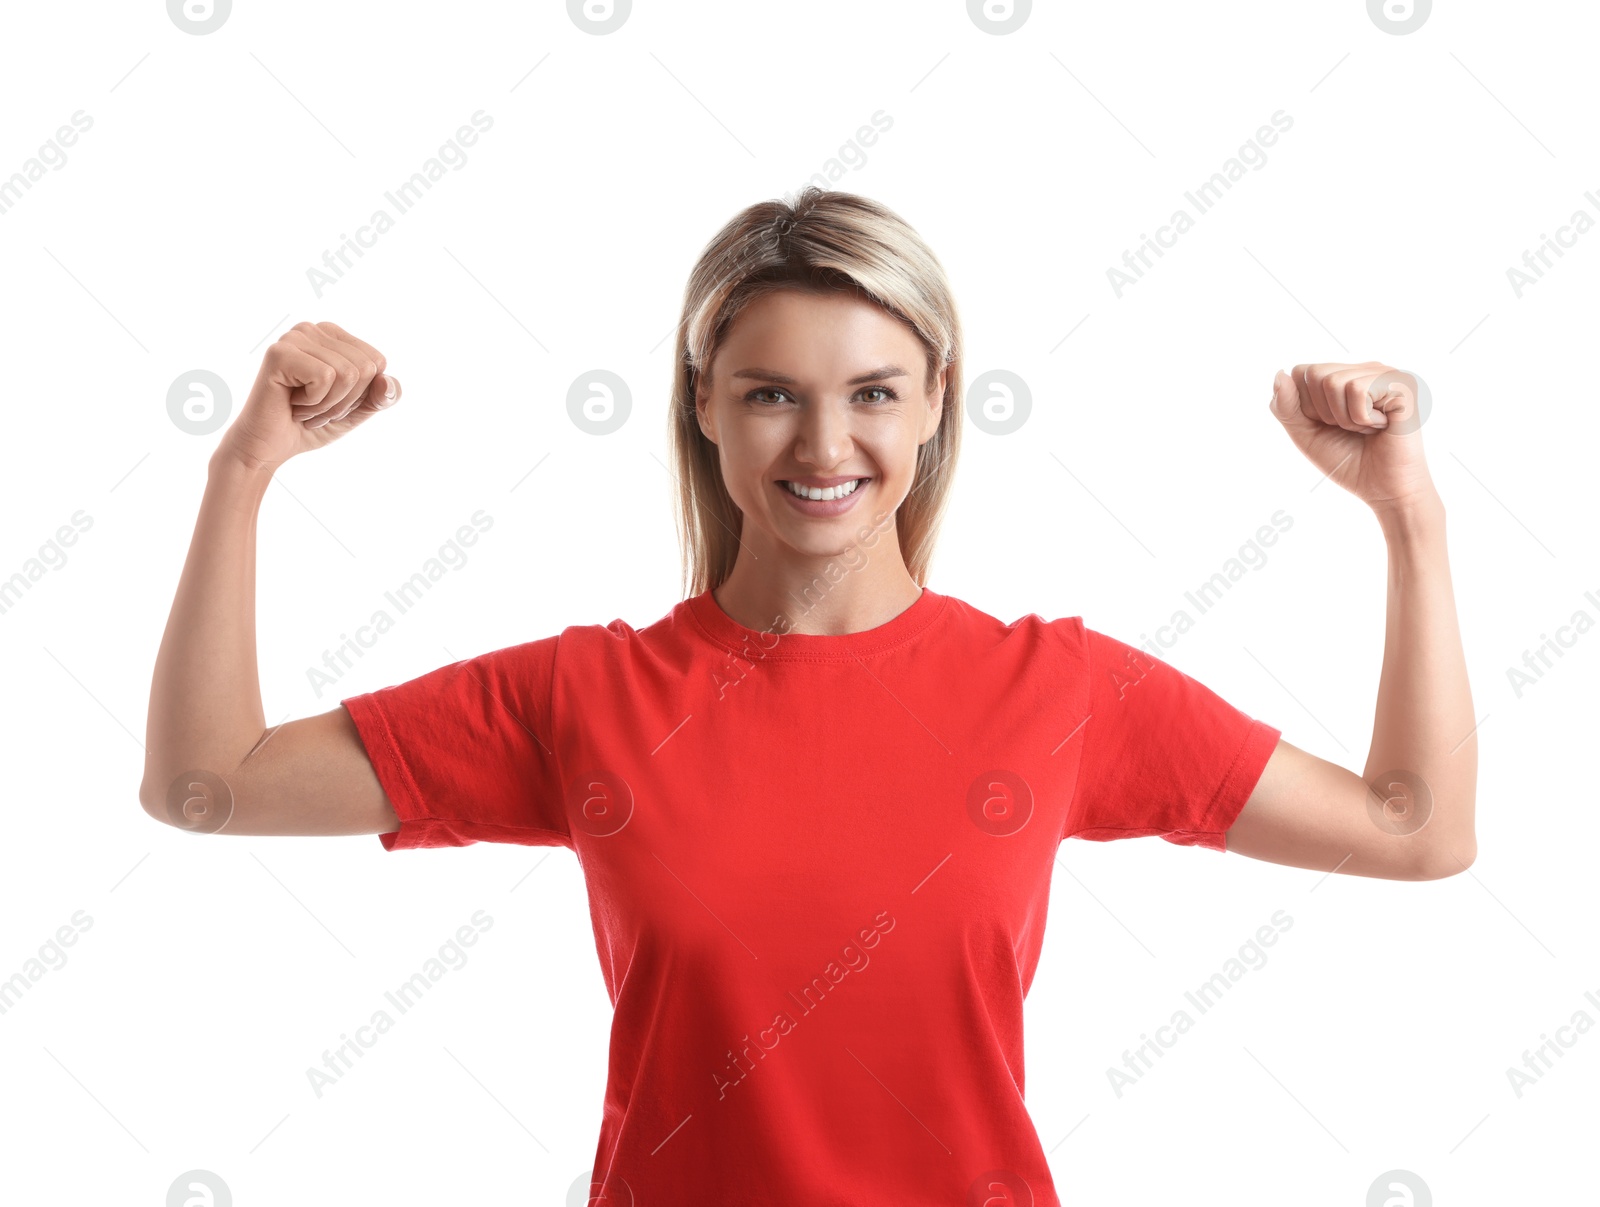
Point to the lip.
(823, 508)
(823, 483)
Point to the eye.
(756, 396)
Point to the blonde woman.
(817, 804)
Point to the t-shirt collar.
(755, 644)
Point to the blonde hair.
(824, 241)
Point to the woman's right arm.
(211, 764)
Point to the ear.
(935, 404)
(702, 403)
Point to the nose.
(824, 438)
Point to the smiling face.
(819, 391)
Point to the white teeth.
(831, 492)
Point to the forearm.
(205, 693)
(1424, 724)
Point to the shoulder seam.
(555, 738)
(1088, 695)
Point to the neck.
(844, 594)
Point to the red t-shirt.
(818, 868)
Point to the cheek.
(896, 453)
(745, 459)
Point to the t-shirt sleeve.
(466, 753)
(1163, 754)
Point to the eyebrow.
(874, 375)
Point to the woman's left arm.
(1409, 816)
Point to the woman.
(816, 805)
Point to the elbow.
(200, 802)
(1446, 861)
(154, 802)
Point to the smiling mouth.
(824, 493)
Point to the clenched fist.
(1359, 424)
(316, 383)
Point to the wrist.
(229, 457)
(1403, 516)
(232, 467)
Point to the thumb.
(385, 391)
(382, 391)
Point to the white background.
(218, 169)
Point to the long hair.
(824, 241)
